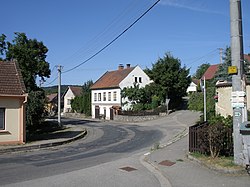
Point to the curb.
(153, 167)
(44, 145)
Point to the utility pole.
(221, 53)
(237, 86)
(59, 67)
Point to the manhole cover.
(128, 169)
(166, 163)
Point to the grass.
(221, 162)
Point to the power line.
(117, 37)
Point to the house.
(69, 94)
(12, 104)
(210, 72)
(223, 105)
(51, 105)
(193, 86)
(106, 91)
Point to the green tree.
(170, 79)
(30, 54)
(82, 104)
(201, 70)
(31, 57)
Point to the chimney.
(120, 67)
(128, 66)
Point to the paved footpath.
(172, 162)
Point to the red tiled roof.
(247, 58)
(76, 90)
(210, 73)
(11, 81)
(112, 79)
(196, 81)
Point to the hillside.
(54, 89)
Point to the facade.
(193, 86)
(70, 94)
(223, 105)
(12, 104)
(106, 91)
(51, 105)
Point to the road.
(106, 142)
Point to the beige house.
(12, 104)
(223, 105)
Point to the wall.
(223, 106)
(13, 120)
(105, 104)
(68, 96)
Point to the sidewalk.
(171, 161)
(69, 134)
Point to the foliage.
(30, 54)
(170, 79)
(196, 101)
(222, 74)
(201, 70)
(82, 104)
(216, 137)
(35, 110)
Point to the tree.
(170, 79)
(201, 70)
(222, 74)
(30, 54)
(82, 104)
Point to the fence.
(198, 139)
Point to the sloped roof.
(112, 79)
(247, 58)
(11, 81)
(210, 73)
(51, 97)
(76, 90)
(196, 81)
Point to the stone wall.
(134, 118)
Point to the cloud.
(197, 6)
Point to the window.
(99, 96)
(135, 79)
(104, 96)
(114, 95)
(2, 119)
(109, 96)
(95, 97)
(140, 80)
(68, 101)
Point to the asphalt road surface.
(105, 142)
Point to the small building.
(106, 91)
(193, 87)
(12, 104)
(69, 94)
(51, 103)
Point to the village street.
(113, 154)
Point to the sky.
(75, 30)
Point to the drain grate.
(128, 169)
(166, 163)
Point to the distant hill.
(53, 89)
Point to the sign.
(237, 114)
(232, 70)
(238, 105)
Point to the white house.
(106, 91)
(193, 86)
(69, 94)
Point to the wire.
(50, 83)
(112, 41)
